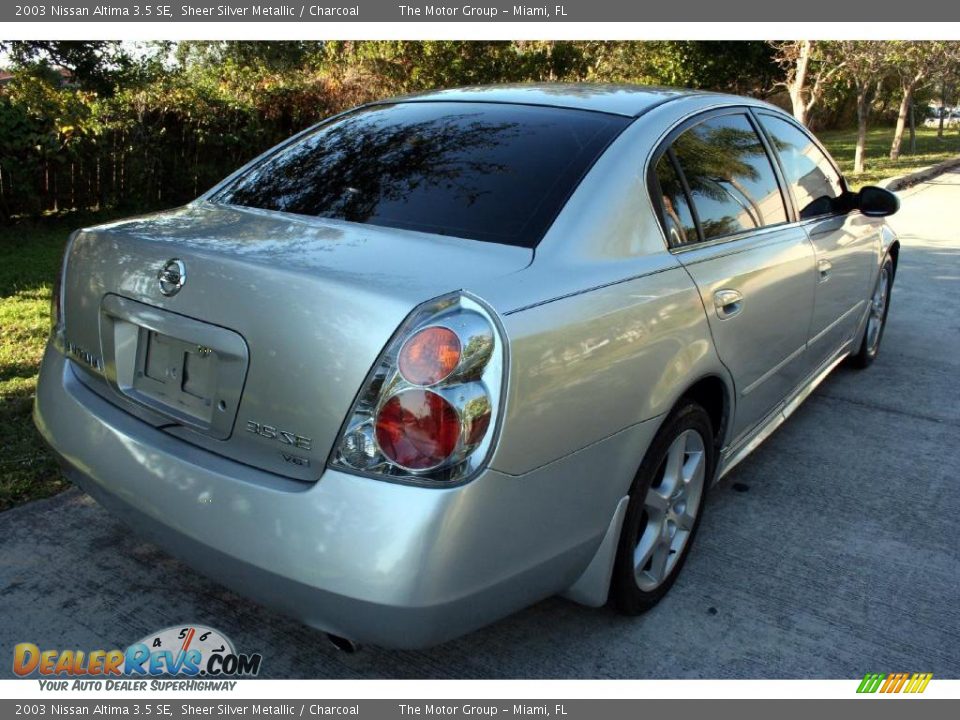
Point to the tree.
(913, 62)
(732, 66)
(93, 64)
(726, 66)
(809, 66)
(278, 56)
(864, 67)
(401, 66)
(947, 76)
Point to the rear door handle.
(824, 267)
(728, 303)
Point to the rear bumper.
(373, 561)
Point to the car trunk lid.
(260, 350)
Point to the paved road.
(834, 550)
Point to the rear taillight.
(56, 295)
(417, 429)
(427, 412)
(56, 302)
(429, 356)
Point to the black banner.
(579, 11)
(620, 709)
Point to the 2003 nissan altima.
(440, 357)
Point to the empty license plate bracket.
(187, 370)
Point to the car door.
(846, 242)
(727, 222)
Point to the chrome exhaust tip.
(343, 644)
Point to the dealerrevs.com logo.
(190, 652)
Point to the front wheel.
(876, 318)
(666, 503)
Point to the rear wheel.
(666, 503)
(876, 319)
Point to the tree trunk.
(798, 85)
(943, 106)
(862, 109)
(3, 198)
(905, 101)
(913, 130)
(799, 110)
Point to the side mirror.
(877, 202)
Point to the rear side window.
(732, 184)
(679, 224)
(483, 171)
(812, 178)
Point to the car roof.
(625, 100)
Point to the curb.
(901, 182)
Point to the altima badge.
(172, 276)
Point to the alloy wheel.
(878, 311)
(670, 510)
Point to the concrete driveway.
(833, 551)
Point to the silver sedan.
(440, 357)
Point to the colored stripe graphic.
(871, 683)
(894, 682)
(921, 682)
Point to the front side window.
(815, 184)
(732, 183)
(483, 171)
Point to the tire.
(664, 511)
(876, 318)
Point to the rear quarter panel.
(590, 365)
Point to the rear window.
(483, 171)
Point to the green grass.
(29, 257)
(30, 253)
(930, 151)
